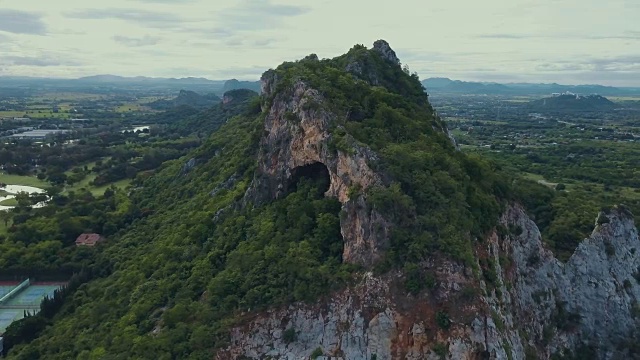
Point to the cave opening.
(316, 172)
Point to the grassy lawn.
(538, 178)
(9, 202)
(89, 166)
(131, 107)
(99, 191)
(12, 114)
(46, 114)
(95, 190)
(23, 180)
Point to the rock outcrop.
(383, 47)
(535, 305)
(297, 134)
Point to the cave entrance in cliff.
(316, 172)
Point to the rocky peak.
(306, 118)
(383, 47)
(296, 141)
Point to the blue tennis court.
(8, 316)
(27, 298)
(33, 295)
(4, 289)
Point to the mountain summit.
(335, 218)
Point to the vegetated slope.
(572, 103)
(344, 170)
(207, 121)
(184, 273)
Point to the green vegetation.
(289, 335)
(440, 195)
(441, 349)
(570, 166)
(316, 353)
(9, 202)
(22, 180)
(183, 264)
(443, 320)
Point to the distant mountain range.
(436, 86)
(448, 86)
(111, 83)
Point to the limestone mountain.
(235, 84)
(334, 217)
(572, 103)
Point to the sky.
(563, 41)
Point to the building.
(89, 239)
(39, 134)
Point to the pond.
(14, 189)
(137, 128)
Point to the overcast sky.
(564, 41)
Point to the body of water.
(14, 189)
(136, 128)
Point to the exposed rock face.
(591, 298)
(188, 166)
(386, 51)
(297, 134)
(519, 313)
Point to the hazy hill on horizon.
(443, 85)
(567, 102)
(435, 85)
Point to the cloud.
(561, 67)
(164, 1)
(632, 35)
(22, 22)
(503, 36)
(617, 64)
(136, 42)
(249, 72)
(155, 19)
(251, 15)
(40, 61)
(237, 41)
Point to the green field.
(23, 180)
(95, 190)
(9, 202)
(131, 107)
(11, 114)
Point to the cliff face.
(533, 305)
(296, 140)
(592, 298)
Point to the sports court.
(18, 297)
